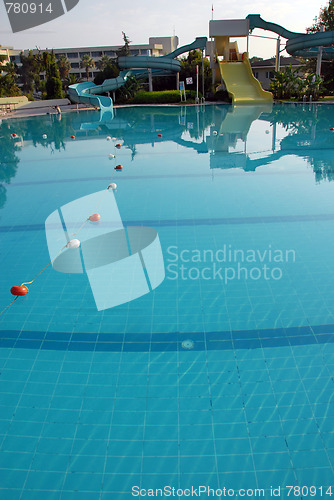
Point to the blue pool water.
(220, 376)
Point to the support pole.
(203, 97)
(278, 54)
(150, 84)
(319, 58)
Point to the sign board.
(189, 80)
(230, 27)
(181, 87)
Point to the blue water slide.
(88, 92)
(298, 44)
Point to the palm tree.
(103, 62)
(87, 62)
(64, 66)
(71, 79)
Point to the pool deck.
(43, 110)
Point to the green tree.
(8, 86)
(188, 69)
(325, 21)
(64, 66)
(125, 49)
(31, 67)
(255, 59)
(88, 63)
(3, 58)
(11, 69)
(53, 85)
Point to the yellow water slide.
(241, 84)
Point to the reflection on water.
(8, 160)
(244, 137)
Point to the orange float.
(94, 217)
(72, 137)
(19, 290)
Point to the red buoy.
(19, 290)
(14, 135)
(118, 167)
(94, 217)
(72, 136)
(159, 135)
(332, 128)
(118, 145)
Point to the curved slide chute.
(87, 92)
(298, 44)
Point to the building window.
(72, 55)
(269, 74)
(97, 54)
(256, 74)
(74, 65)
(109, 53)
(81, 54)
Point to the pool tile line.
(271, 219)
(144, 342)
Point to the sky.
(101, 22)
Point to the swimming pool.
(219, 376)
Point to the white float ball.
(73, 244)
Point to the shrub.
(163, 97)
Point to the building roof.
(284, 61)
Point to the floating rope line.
(21, 290)
(3, 310)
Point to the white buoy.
(113, 185)
(215, 132)
(73, 244)
(45, 136)
(108, 138)
(267, 131)
(111, 156)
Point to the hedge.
(162, 97)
